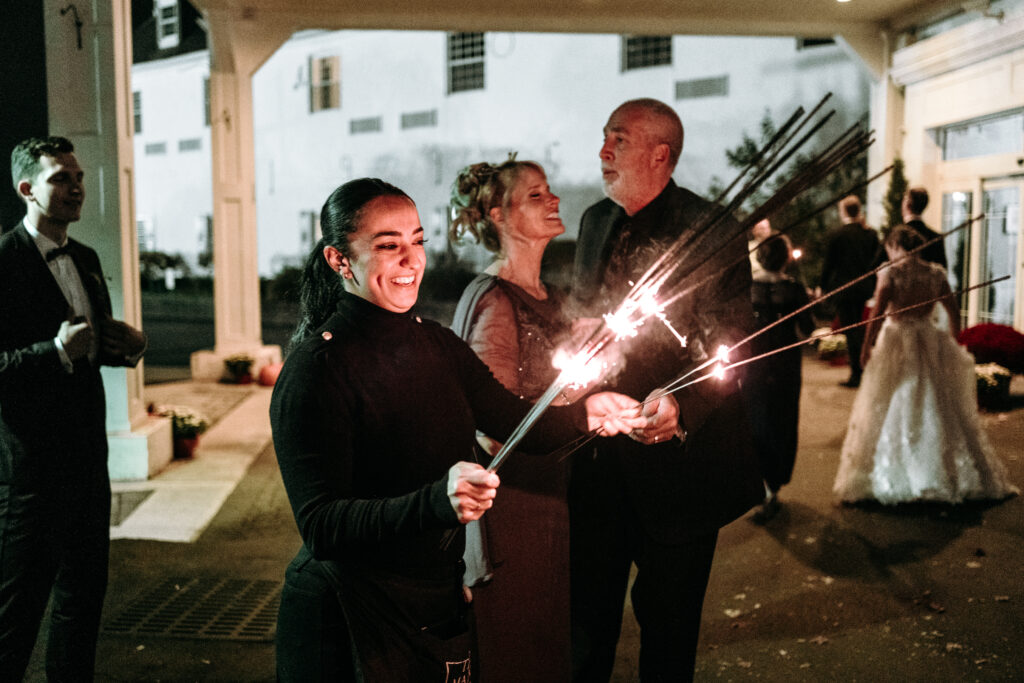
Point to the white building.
(413, 107)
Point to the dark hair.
(917, 200)
(905, 237)
(849, 206)
(773, 253)
(25, 155)
(321, 288)
(478, 189)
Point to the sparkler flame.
(577, 370)
(722, 357)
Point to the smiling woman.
(374, 417)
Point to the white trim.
(955, 49)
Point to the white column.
(88, 61)
(239, 44)
(873, 50)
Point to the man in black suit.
(659, 506)
(55, 332)
(914, 203)
(851, 251)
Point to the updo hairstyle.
(904, 237)
(478, 189)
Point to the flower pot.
(994, 396)
(185, 447)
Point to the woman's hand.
(471, 490)
(662, 413)
(609, 413)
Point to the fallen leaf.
(983, 660)
(744, 663)
(973, 565)
(805, 665)
(810, 540)
(936, 607)
(740, 596)
(819, 640)
(783, 653)
(827, 580)
(953, 646)
(140, 648)
(1002, 598)
(733, 613)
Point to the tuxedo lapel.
(39, 284)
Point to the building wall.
(173, 190)
(968, 73)
(546, 97)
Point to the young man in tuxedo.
(852, 249)
(914, 203)
(56, 331)
(659, 506)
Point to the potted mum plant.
(993, 386)
(998, 352)
(186, 426)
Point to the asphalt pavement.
(818, 593)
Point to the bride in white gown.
(914, 433)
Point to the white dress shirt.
(70, 283)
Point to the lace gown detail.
(914, 433)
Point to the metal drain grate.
(208, 608)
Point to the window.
(639, 52)
(156, 148)
(808, 43)
(465, 62)
(702, 87)
(996, 134)
(146, 234)
(324, 83)
(137, 111)
(420, 119)
(190, 145)
(206, 101)
(168, 23)
(309, 230)
(373, 124)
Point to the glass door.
(1000, 246)
(956, 210)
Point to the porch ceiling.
(808, 18)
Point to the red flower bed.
(992, 343)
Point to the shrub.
(993, 343)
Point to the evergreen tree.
(893, 202)
(809, 234)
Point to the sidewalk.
(819, 593)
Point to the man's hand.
(662, 413)
(76, 337)
(610, 413)
(121, 340)
(471, 490)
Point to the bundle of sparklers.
(671, 278)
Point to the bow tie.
(59, 251)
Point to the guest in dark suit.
(852, 250)
(659, 506)
(55, 332)
(914, 203)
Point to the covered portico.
(88, 58)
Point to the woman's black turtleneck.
(369, 414)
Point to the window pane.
(995, 135)
(644, 51)
(956, 208)
(1001, 225)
